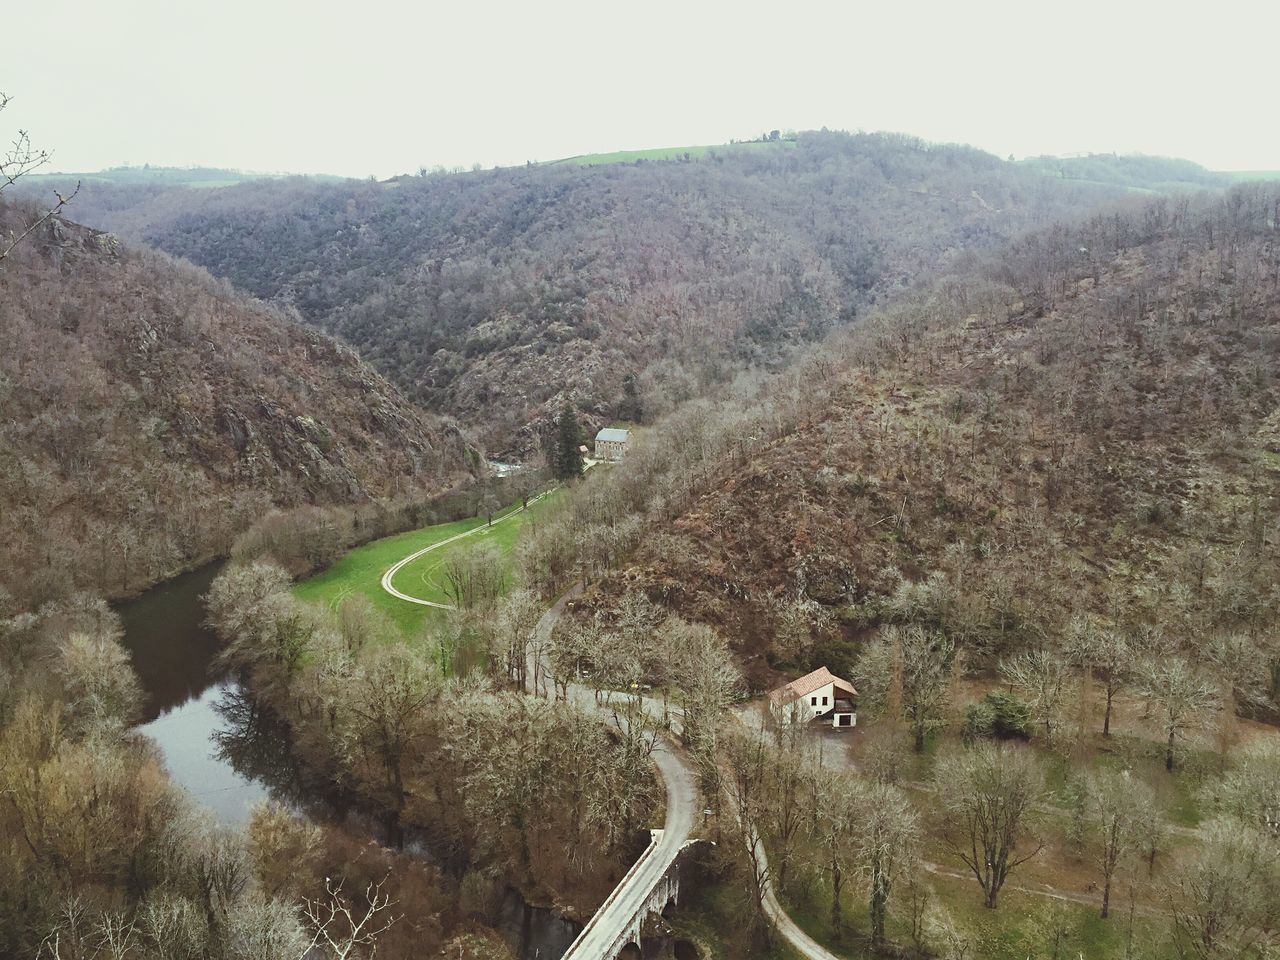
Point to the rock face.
(149, 413)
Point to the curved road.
(620, 908)
(396, 567)
(804, 944)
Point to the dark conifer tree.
(567, 462)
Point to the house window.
(813, 701)
(824, 701)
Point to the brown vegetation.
(150, 415)
(495, 296)
(991, 461)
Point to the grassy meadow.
(671, 153)
(360, 571)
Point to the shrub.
(999, 714)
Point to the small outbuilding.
(817, 697)
(611, 443)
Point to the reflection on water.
(174, 655)
(173, 651)
(255, 742)
(188, 736)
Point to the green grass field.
(1024, 926)
(670, 153)
(360, 571)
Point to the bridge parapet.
(612, 927)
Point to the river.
(189, 699)
(229, 754)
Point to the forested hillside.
(495, 296)
(149, 413)
(1087, 426)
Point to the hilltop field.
(674, 154)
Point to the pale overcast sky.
(384, 87)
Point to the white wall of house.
(804, 709)
(809, 706)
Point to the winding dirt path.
(400, 564)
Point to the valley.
(625, 288)
(325, 630)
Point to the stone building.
(611, 443)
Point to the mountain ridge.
(500, 296)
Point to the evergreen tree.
(567, 460)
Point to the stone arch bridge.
(651, 887)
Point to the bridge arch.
(630, 951)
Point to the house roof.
(614, 433)
(810, 682)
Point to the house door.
(844, 719)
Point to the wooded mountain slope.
(494, 296)
(149, 413)
(1090, 427)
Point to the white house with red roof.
(819, 696)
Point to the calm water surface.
(229, 753)
(189, 700)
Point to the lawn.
(1023, 926)
(422, 578)
(360, 571)
(670, 153)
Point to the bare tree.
(1250, 791)
(20, 159)
(834, 832)
(707, 680)
(1118, 807)
(220, 871)
(885, 841)
(489, 505)
(913, 666)
(516, 618)
(988, 791)
(83, 934)
(572, 641)
(102, 691)
(1106, 655)
(266, 929)
(341, 928)
(1178, 694)
(473, 578)
(1040, 677)
(1225, 901)
(383, 718)
(173, 927)
(743, 777)
(947, 938)
(793, 778)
